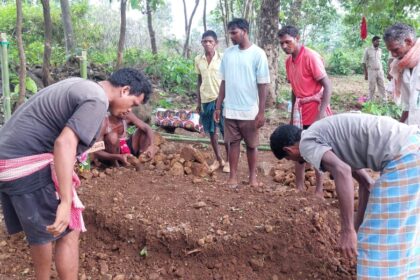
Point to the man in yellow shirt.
(207, 67)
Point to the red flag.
(363, 28)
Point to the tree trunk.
(68, 27)
(224, 10)
(204, 16)
(150, 27)
(268, 22)
(121, 41)
(22, 58)
(46, 76)
(295, 13)
(186, 50)
(247, 10)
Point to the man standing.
(207, 67)
(400, 39)
(311, 91)
(56, 124)
(245, 78)
(388, 217)
(372, 66)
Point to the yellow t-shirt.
(210, 77)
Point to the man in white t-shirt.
(245, 78)
(388, 216)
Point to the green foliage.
(379, 14)
(176, 74)
(389, 109)
(344, 62)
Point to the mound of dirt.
(150, 224)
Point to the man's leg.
(300, 176)
(67, 256)
(372, 84)
(381, 86)
(112, 145)
(252, 155)
(215, 145)
(42, 256)
(234, 151)
(319, 190)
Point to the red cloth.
(363, 28)
(12, 169)
(304, 74)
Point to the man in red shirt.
(311, 90)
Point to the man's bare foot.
(300, 188)
(232, 183)
(320, 194)
(256, 184)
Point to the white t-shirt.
(242, 71)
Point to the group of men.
(39, 144)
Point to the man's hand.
(123, 159)
(260, 120)
(348, 243)
(366, 76)
(150, 152)
(216, 116)
(62, 219)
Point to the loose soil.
(153, 222)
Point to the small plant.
(382, 109)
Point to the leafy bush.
(382, 109)
(176, 74)
(344, 62)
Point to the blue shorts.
(32, 212)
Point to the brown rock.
(95, 173)
(199, 169)
(187, 170)
(102, 175)
(103, 268)
(119, 277)
(168, 148)
(188, 164)
(86, 175)
(199, 205)
(187, 153)
(256, 264)
(108, 171)
(158, 139)
(177, 169)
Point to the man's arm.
(365, 185)
(388, 73)
(293, 99)
(326, 96)
(262, 96)
(64, 156)
(220, 99)
(199, 82)
(344, 186)
(404, 116)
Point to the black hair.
(375, 38)
(288, 30)
(284, 136)
(209, 33)
(133, 78)
(239, 23)
(399, 32)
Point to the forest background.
(47, 34)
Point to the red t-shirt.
(304, 74)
